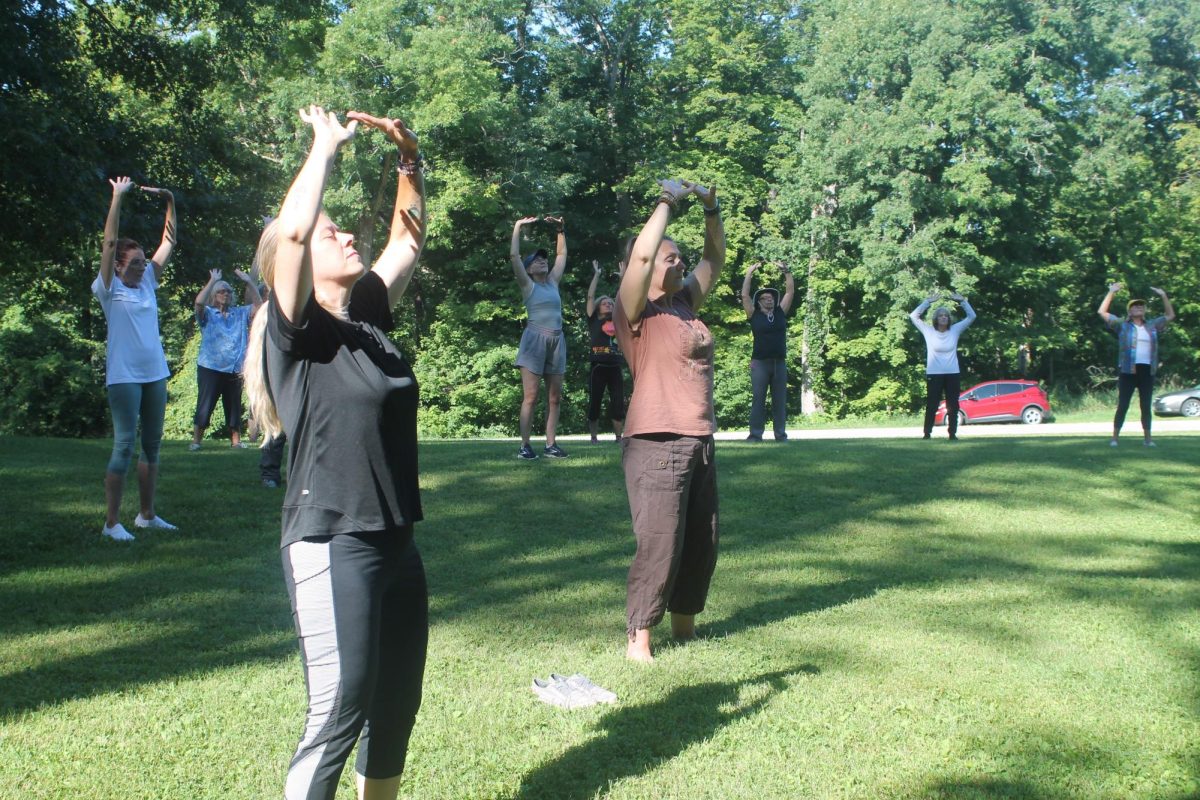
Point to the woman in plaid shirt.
(1137, 355)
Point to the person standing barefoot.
(667, 450)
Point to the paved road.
(1132, 431)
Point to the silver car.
(1185, 402)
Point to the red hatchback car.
(1000, 401)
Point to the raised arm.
(639, 270)
(170, 225)
(398, 261)
(112, 229)
(919, 312)
(1113, 288)
(789, 289)
(201, 302)
(704, 276)
(966, 321)
(747, 298)
(293, 284)
(1168, 309)
(560, 256)
(251, 289)
(591, 298)
(514, 253)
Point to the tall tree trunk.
(814, 323)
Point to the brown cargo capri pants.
(672, 485)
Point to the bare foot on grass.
(638, 648)
(683, 627)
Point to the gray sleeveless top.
(544, 306)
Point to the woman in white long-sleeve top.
(941, 359)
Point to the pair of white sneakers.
(118, 533)
(574, 691)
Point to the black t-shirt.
(347, 399)
(770, 335)
(603, 334)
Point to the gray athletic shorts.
(542, 351)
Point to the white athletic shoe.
(559, 694)
(157, 522)
(580, 684)
(117, 533)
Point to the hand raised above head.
(395, 129)
(596, 266)
(1158, 291)
(527, 220)
(750, 270)
(956, 297)
(707, 195)
(326, 125)
(1114, 287)
(214, 275)
(243, 275)
(121, 185)
(675, 189)
(556, 220)
(157, 192)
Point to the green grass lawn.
(889, 619)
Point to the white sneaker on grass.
(580, 684)
(117, 533)
(157, 522)
(559, 694)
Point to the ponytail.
(262, 407)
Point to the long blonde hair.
(254, 373)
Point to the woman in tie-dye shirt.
(224, 330)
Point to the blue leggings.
(129, 401)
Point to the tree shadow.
(637, 738)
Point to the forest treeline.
(1022, 152)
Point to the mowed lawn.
(889, 619)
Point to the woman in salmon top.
(667, 455)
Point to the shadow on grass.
(842, 520)
(637, 739)
(93, 616)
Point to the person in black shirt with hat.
(768, 316)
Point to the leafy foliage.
(1023, 153)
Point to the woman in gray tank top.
(543, 352)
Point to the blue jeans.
(128, 402)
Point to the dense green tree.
(1024, 152)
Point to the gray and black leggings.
(360, 607)
(129, 402)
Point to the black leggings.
(1143, 381)
(608, 376)
(361, 611)
(211, 384)
(935, 386)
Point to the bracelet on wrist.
(410, 167)
(670, 200)
(712, 212)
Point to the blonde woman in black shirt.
(321, 368)
(768, 317)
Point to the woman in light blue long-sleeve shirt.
(941, 359)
